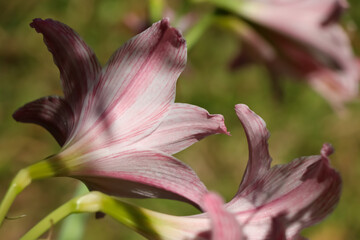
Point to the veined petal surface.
(136, 88)
(139, 173)
(184, 125)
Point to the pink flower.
(302, 38)
(118, 125)
(271, 203)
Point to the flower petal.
(257, 136)
(53, 113)
(307, 27)
(77, 63)
(183, 126)
(224, 224)
(137, 84)
(140, 174)
(303, 192)
(313, 31)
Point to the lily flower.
(271, 202)
(118, 125)
(301, 38)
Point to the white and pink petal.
(184, 125)
(136, 88)
(224, 225)
(137, 173)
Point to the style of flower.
(271, 203)
(118, 125)
(301, 38)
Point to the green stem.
(50, 220)
(131, 216)
(134, 217)
(73, 227)
(21, 181)
(194, 34)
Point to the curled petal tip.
(326, 150)
(36, 21)
(240, 106)
(222, 126)
(177, 39)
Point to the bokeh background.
(299, 124)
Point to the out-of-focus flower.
(118, 125)
(271, 203)
(301, 38)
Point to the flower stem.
(21, 181)
(50, 220)
(131, 216)
(73, 227)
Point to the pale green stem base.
(24, 177)
(73, 226)
(131, 216)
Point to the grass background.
(299, 125)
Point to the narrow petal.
(257, 136)
(53, 113)
(184, 125)
(77, 63)
(224, 224)
(139, 174)
(137, 84)
(302, 192)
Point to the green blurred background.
(299, 125)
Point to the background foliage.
(299, 124)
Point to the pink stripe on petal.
(137, 86)
(224, 224)
(141, 174)
(77, 63)
(183, 126)
(53, 113)
(257, 136)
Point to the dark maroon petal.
(76, 61)
(53, 113)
